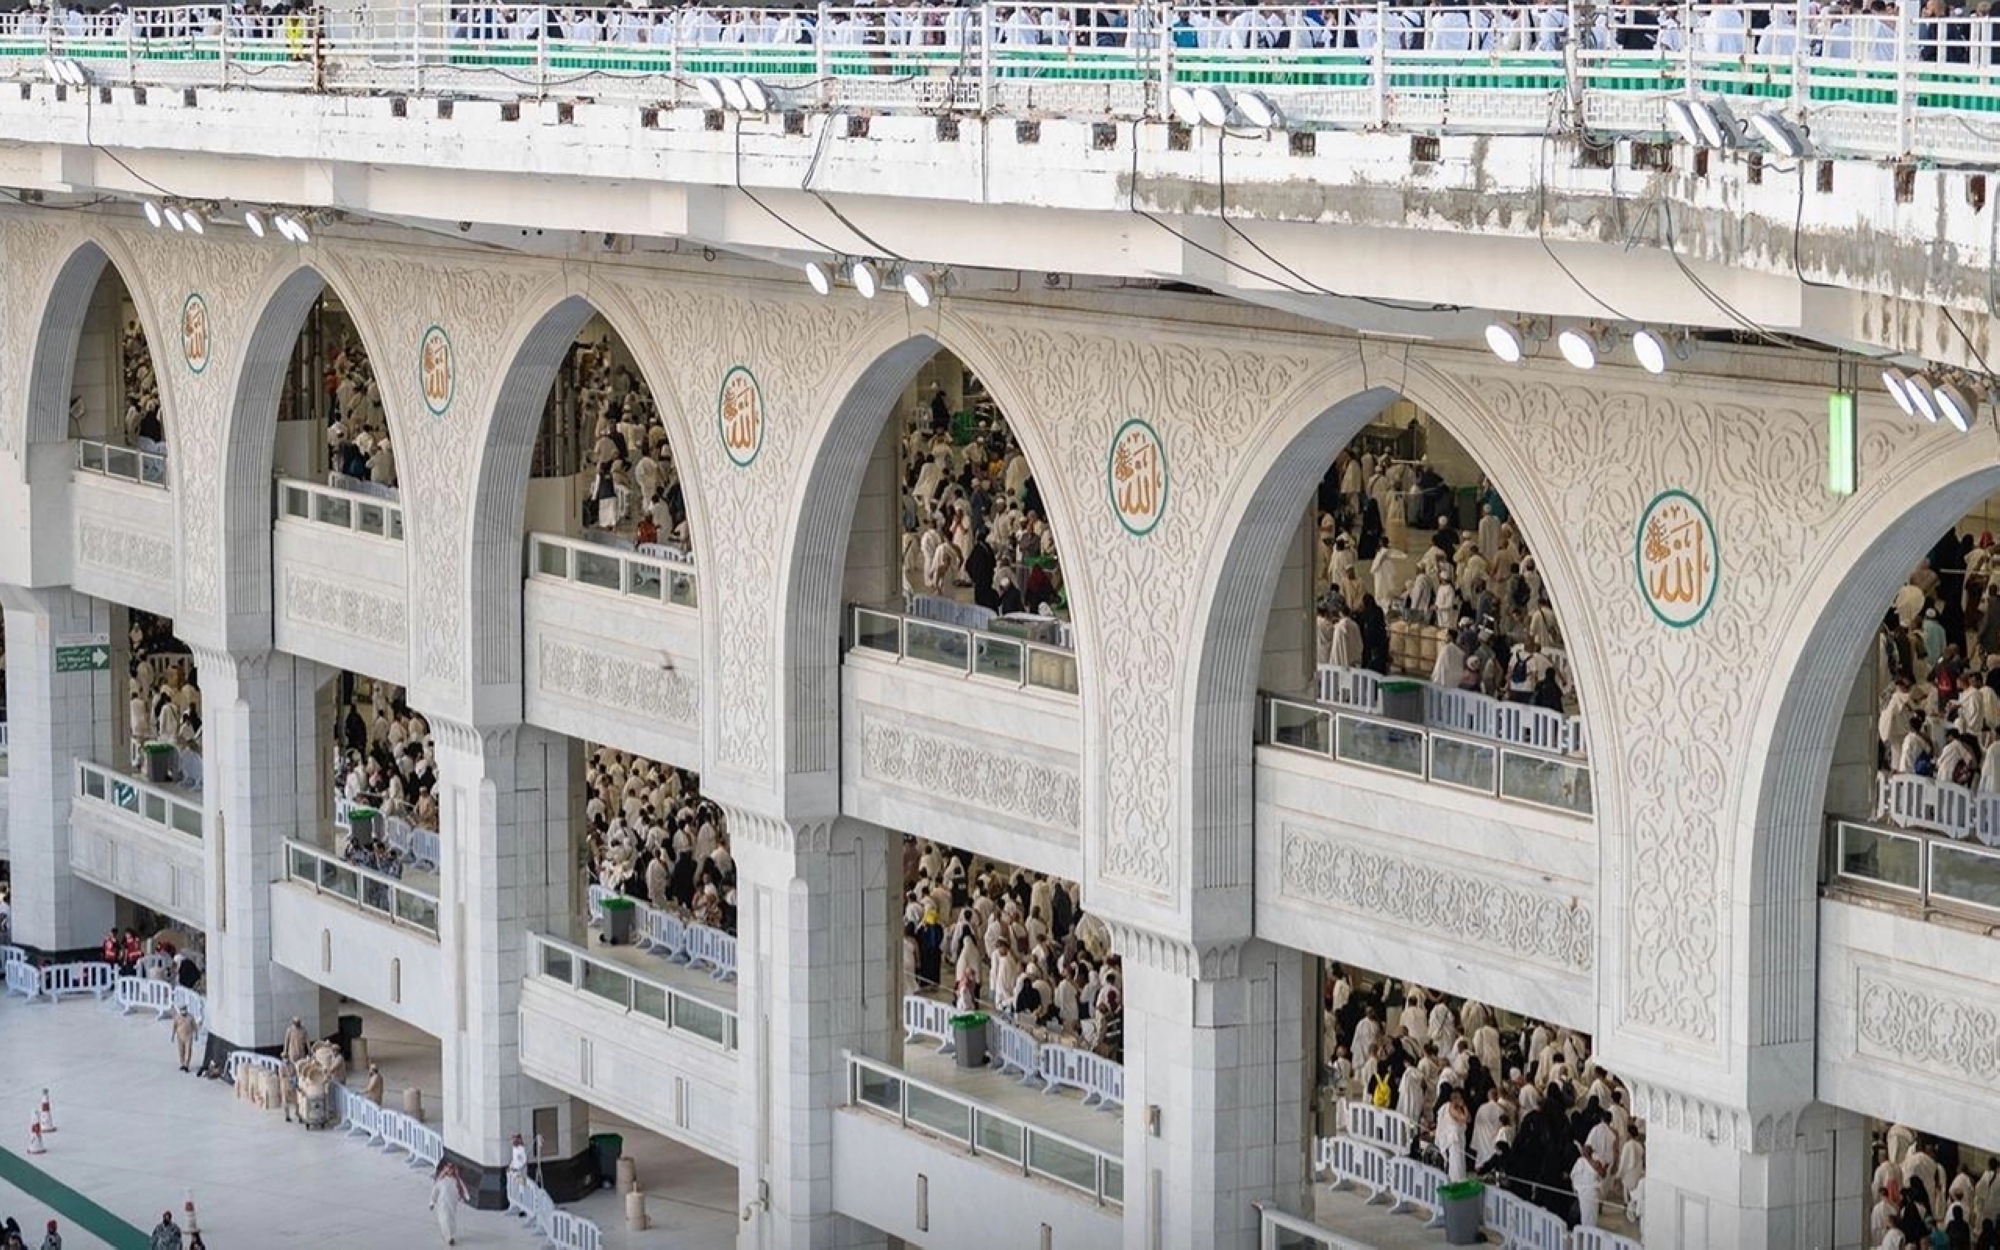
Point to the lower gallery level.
(1069, 765)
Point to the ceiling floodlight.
(1257, 109)
(821, 279)
(1650, 350)
(253, 222)
(173, 216)
(1779, 134)
(1213, 105)
(756, 96)
(732, 93)
(1716, 123)
(1921, 398)
(1505, 341)
(192, 220)
(1897, 383)
(153, 217)
(1680, 116)
(710, 92)
(919, 288)
(1180, 102)
(1579, 347)
(1958, 405)
(291, 227)
(862, 274)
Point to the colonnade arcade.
(1175, 455)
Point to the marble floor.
(136, 1136)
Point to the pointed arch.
(250, 448)
(885, 361)
(1248, 552)
(500, 503)
(1776, 849)
(59, 335)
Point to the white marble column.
(508, 867)
(53, 719)
(264, 781)
(816, 958)
(1216, 1081)
(1718, 1178)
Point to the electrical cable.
(1132, 206)
(737, 171)
(1542, 219)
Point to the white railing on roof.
(1875, 85)
(156, 805)
(147, 468)
(631, 572)
(1915, 867)
(1279, 1231)
(985, 1130)
(983, 653)
(632, 990)
(1100, 1080)
(358, 511)
(326, 873)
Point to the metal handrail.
(674, 1009)
(129, 464)
(980, 1137)
(1871, 85)
(368, 515)
(374, 892)
(150, 803)
(1572, 795)
(1913, 876)
(960, 649)
(635, 574)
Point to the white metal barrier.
(1521, 1224)
(595, 895)
(12, 955)
(1600, 1239)
(713, 947)
(1462, 711)
(1017, 1050)
(1101, 1080)
(557, 1226)
(24, 979)
(663, 933)
(1378, 1126)
(93, 978)
(360, 1117)
(1958, 812)
(241, 1059)
(133, 993)
(927, 1017)
(391, 1129)
(1414, 1183)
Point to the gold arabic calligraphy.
(742, 413)
(194, 332)
(1136, 468)
(1677, 556)
(437, 369)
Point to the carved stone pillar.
(1217, 1067)
(54, 719)
(1716, 1176)
(816, 966)
(264, 780)
(507, 867)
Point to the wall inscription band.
(1539, 926)
(620, 683)
(1005, 784)
(316, 602)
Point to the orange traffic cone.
(46, 1115)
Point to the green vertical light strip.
(1841, 443)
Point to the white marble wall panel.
(631, 1065)
(986, 767)
(1492, 900)
(129, 856)
(1909, 1021)
(394, 969)
(604, 668)
(341, 598)
(124, 543)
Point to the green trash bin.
(364, 824)
(1464, 1210)
(620, 914)
(1403, 700)
(160, 757)
(968, 1031)
(605, 1150)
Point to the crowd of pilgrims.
(1016, 942)
(1938, 658)
(1519, 1103)
(1929, 1192)
(140, 425)
(357, 431)
(386, 760)
(1478, 588)
(972, 518)
(165, 700)
(635, 488)
(652, 837)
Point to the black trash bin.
(620, 915)
(968, 1033)
(1464, 1204)
(605, 1150)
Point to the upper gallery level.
(1698, 167)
